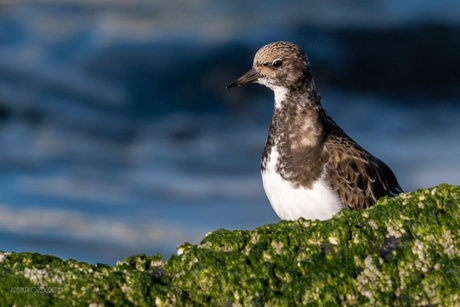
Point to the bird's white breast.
(291, 202)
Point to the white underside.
(291, 203)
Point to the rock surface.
(402, 252)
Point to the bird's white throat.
(280, 91)
(291, 202)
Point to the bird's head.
(278, 65)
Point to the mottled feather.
(358, 177)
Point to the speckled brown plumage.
(358, 177)
(309, 144)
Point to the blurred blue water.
(117, 135)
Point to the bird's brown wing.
(359, 178)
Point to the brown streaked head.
(278, 64)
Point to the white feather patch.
(280, 92)
(291, 203)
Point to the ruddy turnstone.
(310, 167)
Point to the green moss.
(402, 252)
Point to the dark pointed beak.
(249, 77)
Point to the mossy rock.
(402, 252)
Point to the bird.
(310, 167)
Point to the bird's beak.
(249, 77)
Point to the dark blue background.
(117, 135)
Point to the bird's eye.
(277, 63)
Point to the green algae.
(402, 252)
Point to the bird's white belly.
(291, 202)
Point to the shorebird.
(310, 167)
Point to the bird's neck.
(301, 98)
(297, 118)
(280, 95)
(297, 134)
(306, 96)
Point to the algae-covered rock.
(402, 252)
